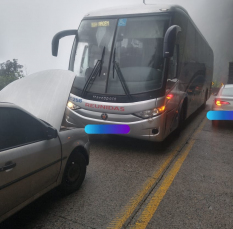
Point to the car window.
(227, 92)
(18, 128)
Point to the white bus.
(146, 66)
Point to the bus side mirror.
(170, 41)
(58, 36)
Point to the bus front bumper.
(152, 129)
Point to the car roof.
(228, 86)
(135, 9)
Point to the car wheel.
(74, 173)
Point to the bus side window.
(173, 69)
(173, 64)
(84, 61)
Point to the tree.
(9, 72)
(216, 84)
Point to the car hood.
(43, 94)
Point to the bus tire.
(205, 99)
(182, 116)
(74, 173)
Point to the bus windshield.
(136, 52)
(94, 36)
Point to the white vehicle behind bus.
(146, 66)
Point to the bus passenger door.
(173, 70)
(172, 90)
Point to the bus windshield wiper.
(121, 77)
(114, 58)
(96, 70)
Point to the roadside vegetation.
(9, 72)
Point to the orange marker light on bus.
(161, 108)
(169, 96)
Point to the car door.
(28, 162)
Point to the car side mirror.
(58, 36)
(170, 41)
(51, 133)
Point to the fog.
(27, 28)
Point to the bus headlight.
(150, 113)
(72, 106)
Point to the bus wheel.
(182, 116)
(205, 100)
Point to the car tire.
(74, 173)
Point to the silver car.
(38, 152)
(223, 100)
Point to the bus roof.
(141, 9)
(135, 9)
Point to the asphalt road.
(184, 182)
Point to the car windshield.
(227, 92)
(136, 49)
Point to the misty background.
(27, 28)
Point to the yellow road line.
(152, 206)
(133, 203)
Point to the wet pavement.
(125, 176)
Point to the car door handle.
(9, 165)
